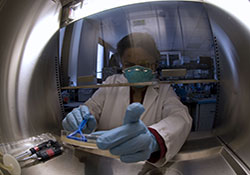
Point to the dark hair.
(142, 40)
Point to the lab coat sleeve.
(175, 126)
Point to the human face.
(138, 56)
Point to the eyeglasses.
(149, 65)
(135, 69)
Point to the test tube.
(91, 138)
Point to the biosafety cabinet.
(55, 54)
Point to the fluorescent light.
(99, 65)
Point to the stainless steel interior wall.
(28, 50)
(233, 120)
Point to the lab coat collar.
(122, 79)
(125, 98)
(150, 96)
(149, 99)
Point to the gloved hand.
(132, 141)
(75, 117)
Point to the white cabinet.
(204, 117)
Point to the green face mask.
(137, 74)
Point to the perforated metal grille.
(58, 86)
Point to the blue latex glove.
(132, 141)
(75, 117)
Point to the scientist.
(138, 122)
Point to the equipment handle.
(41, 146)
(46, 154)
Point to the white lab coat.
(163, 111)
